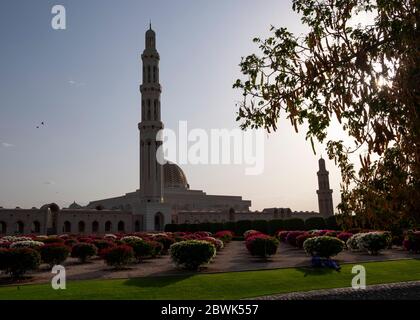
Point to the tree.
(363, 75)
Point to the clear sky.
(83, 83)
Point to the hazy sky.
(83, 82)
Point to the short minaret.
(324, 192)
(151, 172)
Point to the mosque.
(164, 195)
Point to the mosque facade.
(164, 195)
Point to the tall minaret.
(324, 192)
(151, 174)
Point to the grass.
(232, 285)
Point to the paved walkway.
(234, 257)
(392, 291)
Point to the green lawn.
(233, 285)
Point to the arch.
(20, 227)
(95, 227)
(121, 226)
(154, 74)
(36, 227)
(108, 226)
(155, 104)
(81, 227)
(159, 221)
(139, 223)
(54, 207)
(3, 227)
(67, 227)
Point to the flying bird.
(42, 123)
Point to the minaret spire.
(151, 171)
(325, 202)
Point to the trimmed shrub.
(262, 246)
(118, 256)
(203, 234)
(324, 247)
(294, 224)
(301, 239)
(83, 251)
(251, 233)
(171, 227)
(242, 226)
(274, 226)
(214, 227)
(102, 244)
(54, 253)
(282, 235)
(344, 236)
(205, 226)
(85, 239)
(4, 244)
(192, 254)
(26, 244)
(128, 239)
(291, 237)
(260, 225)
(165, 240)
(317, 223)
(70, 242)
(52, 240)
(225, 235)
(142, 249)
(216, 242)
(110, 236)
(373, 242)
(412, 241)
(4, 256)
(331, 233)
(353, 242)
(230, 225)
(15, 239)
(157, 248)
(17, 262)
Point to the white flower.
(26, 244)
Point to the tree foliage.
(357, 64)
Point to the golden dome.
(174, 177)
